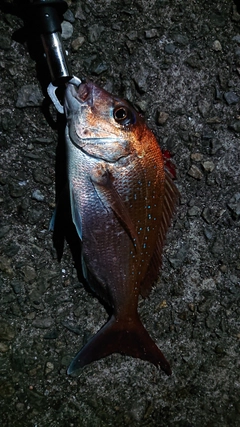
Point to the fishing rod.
(42, 31)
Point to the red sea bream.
(122, 200)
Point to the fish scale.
(122, 201)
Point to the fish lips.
(75, 96)
(83, 95)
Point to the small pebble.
(29, 273)
(207, 216)
(170, 48)
(197, 157)
(194, 211)
(7, 331)
(217, 46)
(37, 195)
(236, 38)
(3, 347)
(94, 33)
(234, 205)
(68, 16)
(140, 79)
(231, 98)
(162, 117)
(195, 172)
(149, 34)
(208, 166)
(29, 96)
(235, 126)
(132, 35)
(77, 43)
(49, 367)
(67, 30)
(42, 323)
(204, 107)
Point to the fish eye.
(123, 115)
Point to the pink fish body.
(122, 201)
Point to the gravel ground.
(179, 62)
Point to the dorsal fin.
(171, 198)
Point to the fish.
(122, 199)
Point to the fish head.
(100, 124)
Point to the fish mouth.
(83, 93)
(78, 96)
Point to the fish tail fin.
(130, 339)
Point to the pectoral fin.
(102, 181)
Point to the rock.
(213, 120)
(181, 39)
(36, 399)
(204, 107)
(179, 256)
(40, 176)
(231, 98)
(234, 205)
(29, 96)
(197, 157)
(5, 42)
(211, 322)
(79, 13)
(4, 230)
(217, 46)
(37, 195)
(77, 43)
(217, 248)
(29, 273)
(16, 190)
(68, 16)
(49, 367)
(140, 79)
(218, 94)
(6, 265)
(3, 347)
(215, 146)
(149, 34)
(42, 141)
(236, 38)
(35, 216)
(67, 30)
(207, 215)
(207, 134)
(42, 323)
(170, 48)
(218, 19)
(194, 211)
(235, 15)
(99, 66)
(6, 389)
(235, 126)
(208, 166)
(195, 172)
(194, 62)
(51, 335)
(237, 53)
(162, 117)
(94, 33)
(17, 286)
(132, 35)
(7, 331)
